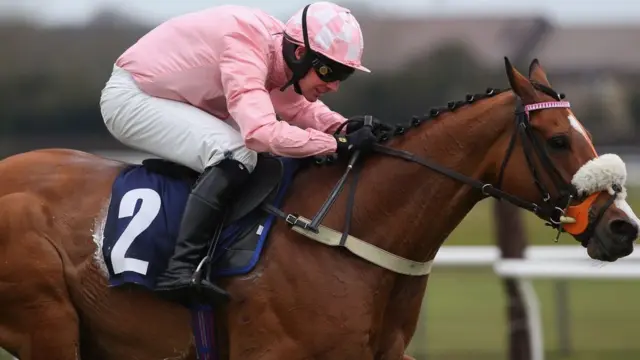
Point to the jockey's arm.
(244, 69)
(295, 109)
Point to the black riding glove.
(361, 139)
(356, 122)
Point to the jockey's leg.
(202, 216)
(169, 129)
(186, 135)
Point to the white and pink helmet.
(333, 39)
(332, 30)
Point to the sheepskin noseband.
(606, 173)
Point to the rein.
(553, 209)
(549, 211)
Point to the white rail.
(560, 262)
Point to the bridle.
(552, 209)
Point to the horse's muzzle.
(613, 240)
(625, 230)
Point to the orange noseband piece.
(580, 213)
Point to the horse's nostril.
(624, 228)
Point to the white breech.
(169, 129)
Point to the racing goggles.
(329, 70)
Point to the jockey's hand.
(361, 139)
(356, 122)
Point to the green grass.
(465, 318)
(464, 315)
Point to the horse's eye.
(559, 142)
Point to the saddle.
(263, 182)
(242, 215)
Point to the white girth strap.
(371, 253)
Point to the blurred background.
(56, 55)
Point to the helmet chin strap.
(295, 82)
(300, 67)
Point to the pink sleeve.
(243, 64)
(298, 111)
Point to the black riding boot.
(203, 214)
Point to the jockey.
(203, 90)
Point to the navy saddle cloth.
(146, 206)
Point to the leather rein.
(552, 209)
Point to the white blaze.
(576, 125)
(626, 208)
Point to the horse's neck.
(431, 205)
(404, 207)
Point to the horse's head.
(551, 162)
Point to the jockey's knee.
(247, 157)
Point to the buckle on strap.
(295, 221)
(291, 219)
(366, 251)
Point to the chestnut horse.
(304, 299)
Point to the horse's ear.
(536, 73)
(520, 84)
